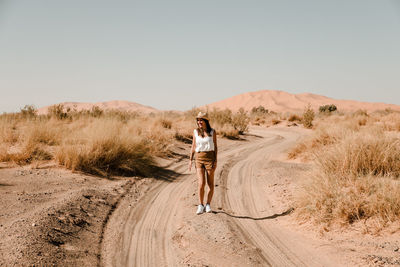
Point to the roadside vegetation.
(356, 174)
(261, 116)
(104, 142)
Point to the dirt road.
(163, 229)
(50, 216)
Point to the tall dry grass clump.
(108, 146)
(106, 149)
(27, 138)
(331, 200)
(355, 179)
(102, 144)
(362, 154)
(323, 137)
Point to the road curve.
(147, 234)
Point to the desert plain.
(108, 185)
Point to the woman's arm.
(192, 150)
(215, 148)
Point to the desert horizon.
(273, 100)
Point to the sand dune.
(280, 101)
(116, 104)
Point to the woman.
(205, 145)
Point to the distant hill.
(280, 101)
(116, 104)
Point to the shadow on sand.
(160, 173)
(259, 218)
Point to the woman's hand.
(190, 165)
(214, 165)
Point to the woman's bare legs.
(210, 183)
(201, 183)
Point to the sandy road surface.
(163, 230)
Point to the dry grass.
(271, 118)
(330, 200)
(107, 152)
(357, 171)
(362, 154)
(102, 142)
(321, 138)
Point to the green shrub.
(259, 110)
(327, 108)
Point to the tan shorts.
(205, 159)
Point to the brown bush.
(308, 117)
(356, 178)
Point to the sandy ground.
(51, 216)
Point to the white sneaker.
(208, 208)
(200, 209)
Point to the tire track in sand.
(148, 231)
(247, 196)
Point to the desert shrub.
(106, 147)
(229, 132)
(28, 111)
(259, 110)
(96, 111)
(110, 155)
(229, 122)
(362, 154)
(167, 124)
(319, 140)
(355, 179)
(308, 117)
(220, 117)
(240, 121)
(327, 108)
(330, 199)
(28, 153)
(8, 131)
(58, 111)
(43, 132)
(122, 116)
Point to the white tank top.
(205, 143)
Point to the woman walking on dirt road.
(204, 145)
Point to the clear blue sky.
(178, 54)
